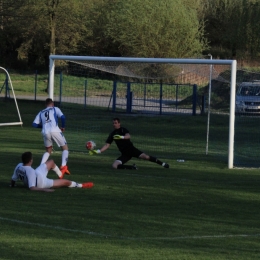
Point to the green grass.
(196, 210)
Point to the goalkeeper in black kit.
(122, 137)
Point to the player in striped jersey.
(48, 120)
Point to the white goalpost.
(15, 101)
(95, 62)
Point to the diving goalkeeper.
(122, 137)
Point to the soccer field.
(195, 210)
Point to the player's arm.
(37, 122)
(127, 136)
(119, 137)
(104, 148)
(36, 125)
(62, 118)
(101, 150)
(63, 121)
(15, 176)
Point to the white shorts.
(42, 180)
(58, 137)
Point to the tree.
(97, 42)
(233, 27)
(10, 30)
(149, 28)
(251, 28)
(50, 27)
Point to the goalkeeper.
(122, 137)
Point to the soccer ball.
(90, 145)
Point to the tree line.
(31, 30)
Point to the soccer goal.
(163, 93)
(8, 98)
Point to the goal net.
(174, 108)
(8, 99)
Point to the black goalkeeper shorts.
(128, 154)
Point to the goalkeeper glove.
(117, 137)
(93, 152)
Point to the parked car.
(248, 98)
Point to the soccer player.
(47, 119)
(36, 179)
(121, 136)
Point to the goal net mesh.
(8, 100)
(166, 107)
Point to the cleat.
(64, 170)
(134, 167)
(87, 185)
(166, 165)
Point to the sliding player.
(36, 179)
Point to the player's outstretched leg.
(45, 157)
(154, 159)
(71, 184)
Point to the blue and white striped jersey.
(48, 119)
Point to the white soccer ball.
(90, 145)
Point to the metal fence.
(128, 97)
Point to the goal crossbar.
(231, 63)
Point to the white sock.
(45, 157)
(57, 170)
(75, 185)
(64, 157)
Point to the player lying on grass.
(36, 179)
(121, 136)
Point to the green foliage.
(233, 27)
(96, 19)
(44, 27)
(31, 30)
(155, 29)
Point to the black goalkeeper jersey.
(122, 144)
